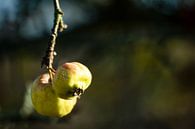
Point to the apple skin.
(46, 102)
(71, 79)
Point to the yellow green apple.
(71, 79)
(46, 102)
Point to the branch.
(58, 26)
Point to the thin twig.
(58, 26)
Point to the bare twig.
(58, 26)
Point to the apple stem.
(58, 26)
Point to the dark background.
(141, 54)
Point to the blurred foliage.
(33, 19)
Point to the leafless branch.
(58, 26)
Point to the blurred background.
(141, 54)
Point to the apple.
(46, 102)
(71, 79)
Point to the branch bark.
(58, 26)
